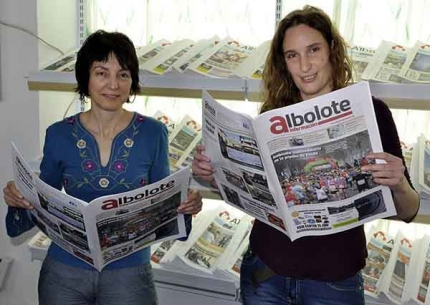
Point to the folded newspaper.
(298, 168)
(110, 227)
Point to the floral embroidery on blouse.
(81, 144)
(103, 182)
(111, 175)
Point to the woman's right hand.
(14, 198)
(202, 166)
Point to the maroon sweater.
(330, 257)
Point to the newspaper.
(148, 53)
(386, 64)
(253, 66)
(420, 170)
(225, 59)
(298, 168)
(183, 140)
(361, 57)
(110, 227)
(417, 65)
(65, 63)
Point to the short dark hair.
(98, 47)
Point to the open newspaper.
(110, 227)
(298, 168)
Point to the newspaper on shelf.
(298, 168)
(361, 57)
(65, 63)
(386, 64)
(164, 61)
(417, 279)
(393, 281)
(183, 140)
(199, 49)
(166, 120)
(417, 65)
(420, 170)
(253, 66)
(223, 61)
(110, 227)
(150, 52)
(379, 246)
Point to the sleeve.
(17, 221)
(50, 167)
(390, 138)
(161, 169)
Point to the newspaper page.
(224, 61)
(110, 227)
(386, 64)
(307, 157)
(166, 120)
(148, 53)
(417, 65)
(232, 147)
(361, 57)
(182, 140)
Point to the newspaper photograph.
(224, 61)
(110, 227)
(417, 65)
(182, 140)
(298, 168)
(387, 63)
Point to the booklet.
(110, 227)
(298, 168)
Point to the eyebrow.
(104, 68)
(308, 47)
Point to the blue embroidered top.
(71, 159)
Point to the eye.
(124, 75)
(101, 73)
(290, 55)
(314, 49)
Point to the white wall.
(19, 114)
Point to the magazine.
(298, 168)
(110, 227)
(417, 65)
(386, 64)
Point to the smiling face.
(109, 84)
(307, 56)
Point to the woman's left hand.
(193, 204)
(391, 174)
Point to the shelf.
(403, 96)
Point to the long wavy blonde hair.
(279, 89)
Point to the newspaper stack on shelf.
(166, 120)
(38, 246)
(199, 49)
(420, 170)
(183, 140)
(379, 247)
(110, 227)
(223, 62)
(298, 168)
(253, 66)
(167, 57)
(393, 281)
(65, 63)
(417, 65)
(416, 289)
(150, 52)
(361, 57)
(386, 64)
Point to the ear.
(332, 44)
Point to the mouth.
(111, 96)
(309, 78)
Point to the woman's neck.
(106, 124)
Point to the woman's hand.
(391, 174)
(202, 166)
(14, 198)
(193, 204)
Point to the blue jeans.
(61, 284)
(283, 290)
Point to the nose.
(305, 64)
(113, 82)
